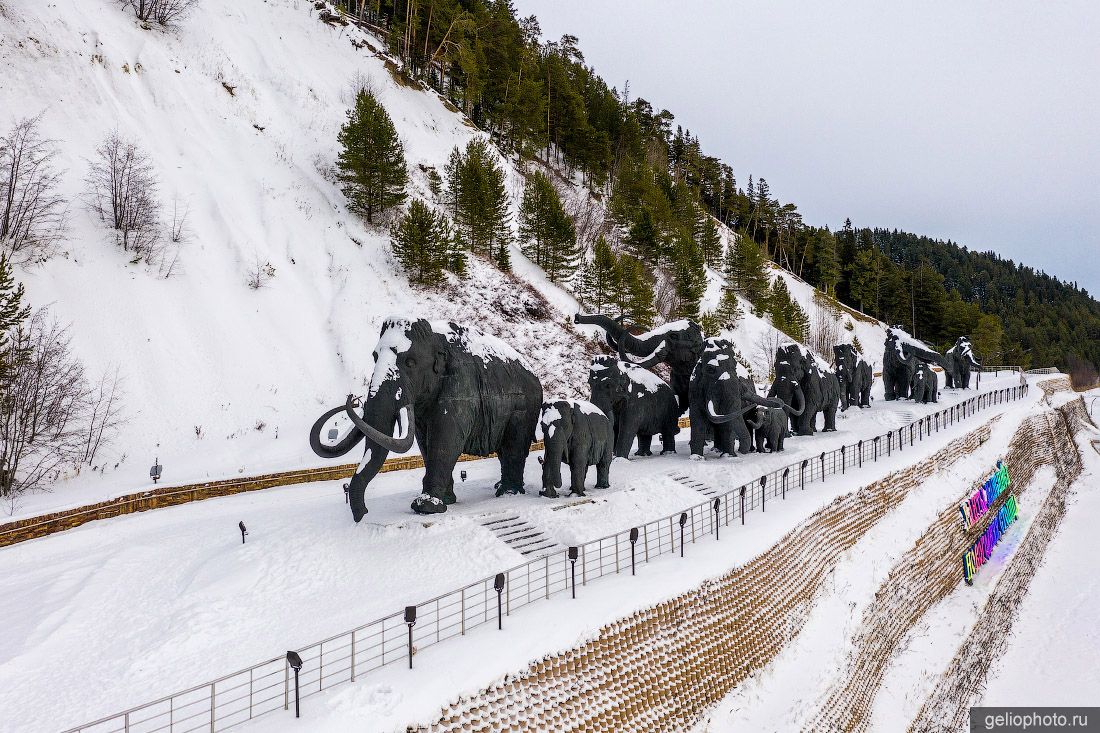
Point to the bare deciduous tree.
(122, 190)
(102, 414)
(259, 273)
(824, 335)
(167, 13)
(42, 409)
(32, 212)
(763, 363)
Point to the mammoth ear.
(440, 362)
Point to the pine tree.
(826, 261)
(644, 240)
(421, 241)
(745, 271)
(634, 298)
(725, 316)
(689, 278)
(600, 279)
(546, 232)
(371, 164)
(710, 242)
(480, 201)
(787, 315)
(12, 314)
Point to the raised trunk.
(621, 340)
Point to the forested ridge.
(540, 100)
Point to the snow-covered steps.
(693, 483)
(520, 535)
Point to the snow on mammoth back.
(395, 340)
(642, 377)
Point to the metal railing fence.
(265, 687)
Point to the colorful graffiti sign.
(981, 550)
(975, 508)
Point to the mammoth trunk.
(629, 347)
(381, 413)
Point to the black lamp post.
(295, 663)
(410, 621)
(156, 470)
(717, 508)
(742, 505)
(802, 474)
(572, 555)
(786, 472)
(683, 521)
(763, 491)
(498, 586)
(823, 466)
(843, 462)
(859, 447)
(633, 542)
(243, 531)
(347, 493)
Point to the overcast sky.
(972, 121)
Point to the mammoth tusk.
(333, 449)
(400, 444)
(715, 417)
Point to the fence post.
(823, 466)
(802, 478)
(352, 656)
(742, 506)
(547, 558)
(785, 472)
(763, 492)
(860, 448)
(843, 462)
(876, 447)
(616, 554)
(286, 680)
(211, 707)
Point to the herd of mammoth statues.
(455, 390)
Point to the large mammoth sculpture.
(580, 434)
(638, 401)
(719, 401)
(677, 344)
(899, 361)
(820, 388)
(925, 385)
(855, 376)
(957, 363)
(456, 390)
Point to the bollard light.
(243, 531)
(843, 461)
(347, 493)
(823, 465)
(742, 506)
(763, 484)
(295, 662)
(572, 554)
(802, 474)
(156, 470)
(410, 621)
(683, 521)
(633, 542)
(786, 472)
(860, 448)
(498, 586)
(462, 474)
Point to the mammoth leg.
(699, 425)
(668, 438)
(439, 466)
(514, 448)
(624, 436)
(830, 421)
(644, 445)
(888, 384)
(578, 469)
(603, 470)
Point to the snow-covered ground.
(142, 605)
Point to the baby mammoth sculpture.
(577, 433)
(638, 402)
(769, 424)
(719, 401)
(677, 344)
(456, 390)
(957, 363)
(925, 384)
(855, 376)
(900, 357)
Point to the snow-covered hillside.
(238, 111)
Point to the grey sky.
(972, 121)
